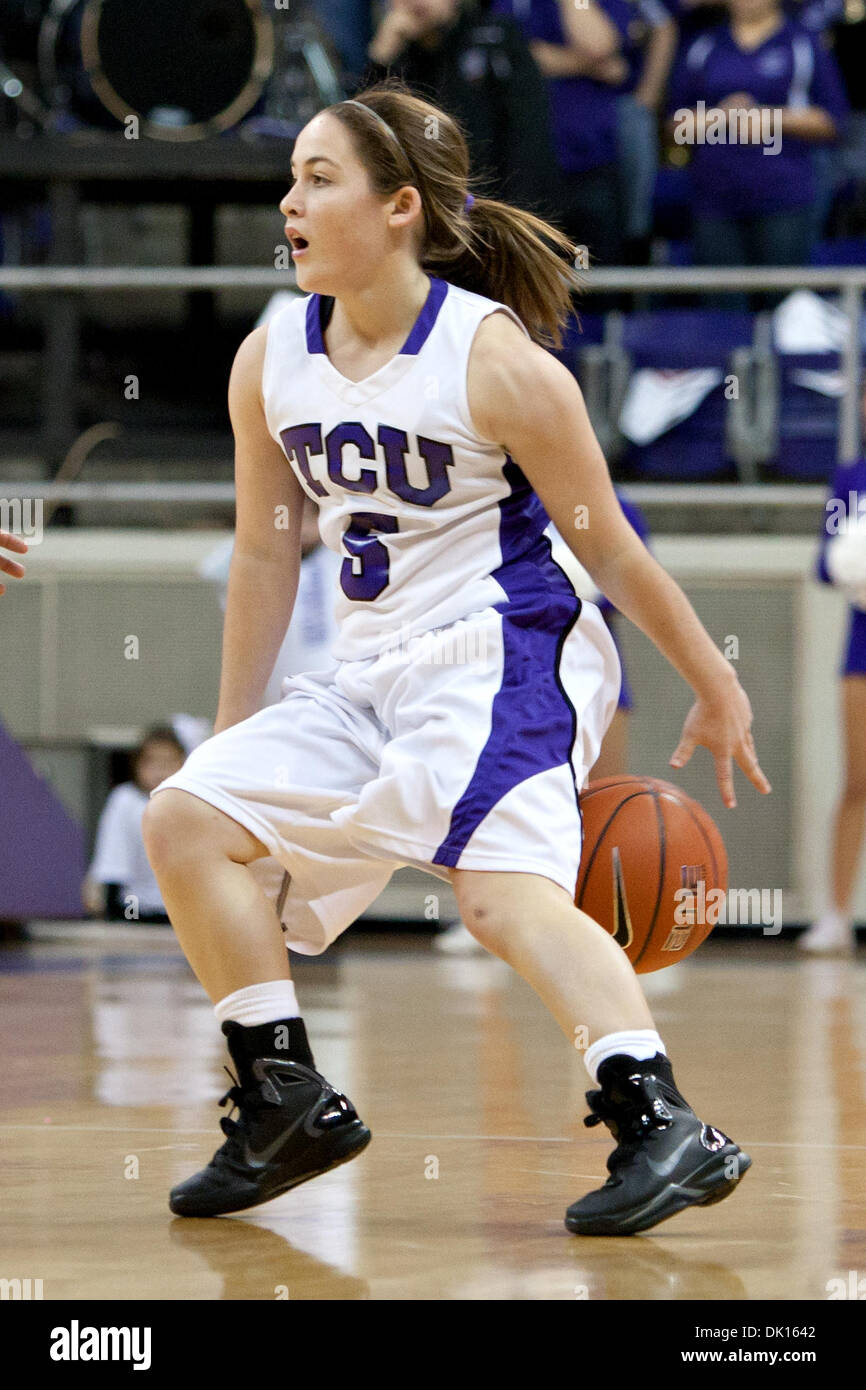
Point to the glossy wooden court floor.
(112, 1067)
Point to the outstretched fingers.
(747, 759)
(8, 541)
(684, 750)
(725, 778)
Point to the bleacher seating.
(808, 420)
(681, 339)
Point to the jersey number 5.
(371, 576)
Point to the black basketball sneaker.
(292, 1125)
(665, 1158)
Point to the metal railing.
(807, 496)
(66, 281)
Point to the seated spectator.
(478, 67)
(120, 884)
(752, 98)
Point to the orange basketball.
(651, 858)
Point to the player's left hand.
(11, 567)
(723, 725)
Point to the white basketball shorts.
(462, 748)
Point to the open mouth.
(298, 243)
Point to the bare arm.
(561, 60)
(263, 579)
(803, 122)
(588, 29)
(591, 47)
(397, 28)
(808, 123)
(660, 50)
(523, 398)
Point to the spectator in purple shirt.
(579, 50)
(753, 98)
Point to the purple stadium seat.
(576, 335)
(843, 251)
(808, 421)
(676, 339)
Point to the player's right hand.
(723, 725)
(11, 567)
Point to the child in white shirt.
(120, 882)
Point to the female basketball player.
(411, 395)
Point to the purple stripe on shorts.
(855, 655)
(534, 724)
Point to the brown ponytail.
(493, 249)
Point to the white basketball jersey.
(432, 521)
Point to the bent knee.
(165, 822)
(498, 908)
(177, 826)
(493, 922)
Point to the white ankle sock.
(640, 1043)
(267, 1003)
(834, 920)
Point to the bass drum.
(186, 68)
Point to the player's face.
(337, 226)
(158, 760)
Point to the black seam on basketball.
(662, 866)
(685, 802)
(639, 791)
